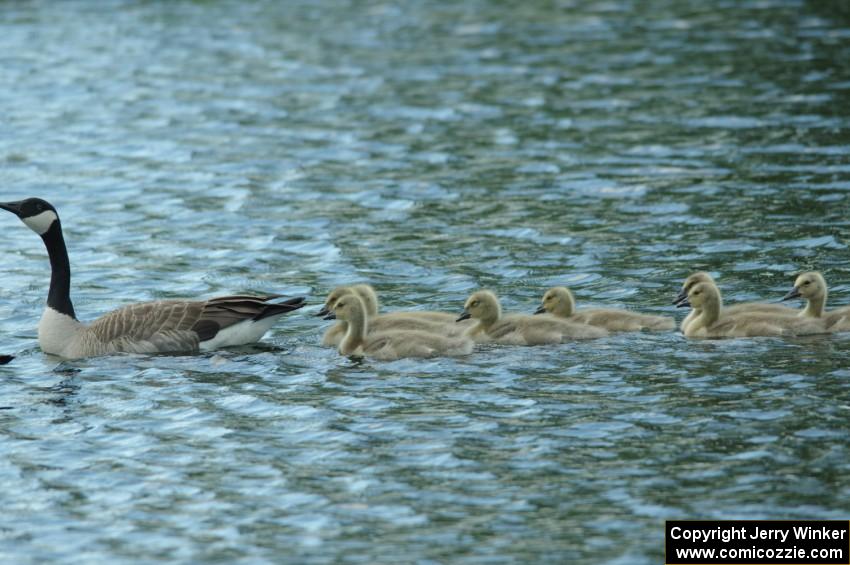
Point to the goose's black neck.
(59, 296)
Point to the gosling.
(559, 302)
(370, 299)
(716, 322)
(700, 277)
(519, 329)
(432, 322)
(812, 287)
(391, 344)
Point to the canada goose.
(519, 329)
(812, 287)
(5, 359)
(715, 321)
(147, 327)
(390, 344)
(431, 322)
(702, 276)
(559, 302)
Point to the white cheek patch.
(40, 223)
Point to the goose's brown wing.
(149, 327)
(180, 325)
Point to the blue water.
(429, 148)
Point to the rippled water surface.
(430, 148)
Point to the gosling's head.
(701, 295)
(482, 305)
(810, 286)
(349, 308)
(690, 282)
(39, 215)
(558, 301)
(332, 299)
(368, 296)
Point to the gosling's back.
(397, 344)
(560, 302)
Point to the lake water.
(430, 148)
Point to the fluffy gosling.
(559, 302)
(519, 329)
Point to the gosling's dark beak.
(793, 293)
(5, 359)
(330, 316)
(323, 312)
(13, 207)
(541, 310)
(465, 316)
(679, 297)
(683, 303)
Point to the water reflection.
(431, 149)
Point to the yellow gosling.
(812, 288)
(559, 302)
(716, 322)
(519, 329)
(393, 344)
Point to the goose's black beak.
(793, 293)
(541, 310)
(679, 297)
(323, 312)
(5, 359)
(330, 316)
(465, 316)
(13, 207)
(683, 303)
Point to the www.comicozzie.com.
(757, 542)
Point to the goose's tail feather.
(225, 311)
(275, 308)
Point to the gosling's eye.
(806, 283)
(474, 304)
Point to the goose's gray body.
(165, 326)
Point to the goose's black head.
(39, 215)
